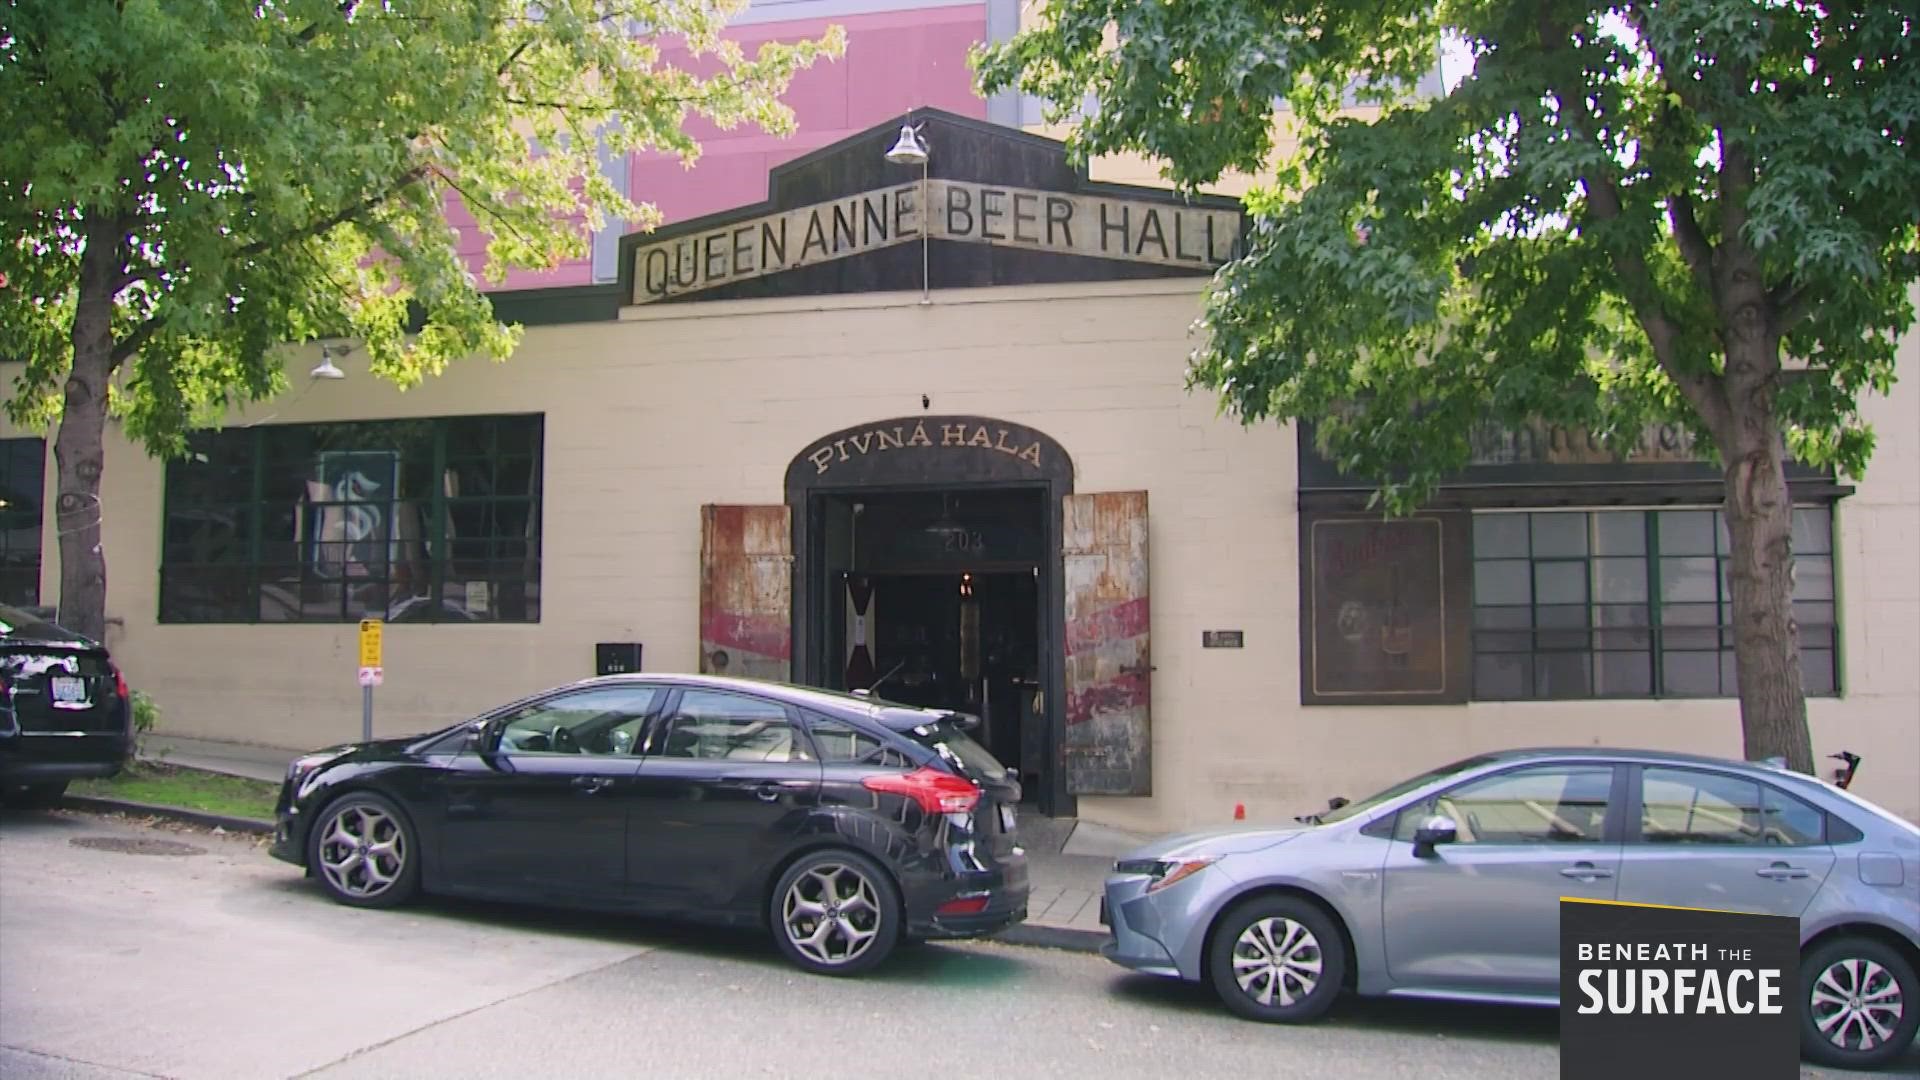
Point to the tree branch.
(338, 217)
(131, 345)
(1694, 245)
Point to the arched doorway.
(927, 568)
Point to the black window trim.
(255, 510)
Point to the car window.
(1545, 804)
(1689, 806)
(713, 725)
(840, 743)
(605, 720)
(957, 748)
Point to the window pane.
(1620, 532)
(604, 721)
(1686, 532)
(1499, 535)
(1623, 674)
(840, 744)
(1531, 806)
(1501, 581)
(1691, 674)
(1790, 822)
(1502, 678)
(1559, 535)
(1813, 577)
(1682, 806)
(1812, 530)
(1689, 580)
(1559, 582)
(713, 725)
(353, 522)
(1562, 675)
(1818, 673)
(1615, 580)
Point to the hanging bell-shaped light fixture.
(909, 149)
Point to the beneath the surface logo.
(1653, 992)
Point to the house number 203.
(963, 540)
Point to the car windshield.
(944, 737)
(1328, 817)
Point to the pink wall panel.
(894, 61)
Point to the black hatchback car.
(64, 710)
(842, 823)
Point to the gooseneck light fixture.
(911, 149)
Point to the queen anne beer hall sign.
(1001, 201)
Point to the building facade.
(926, 431)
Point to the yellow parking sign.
(370, 643)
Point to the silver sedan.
(1448, 886)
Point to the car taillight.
(935, 791)
(120, 685)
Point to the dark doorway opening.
(934, 598)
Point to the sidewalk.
(1066, 886)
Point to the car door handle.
(1781, 872)
(593, 784)
(1585, 871)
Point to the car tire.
(33, 796)
(835, 912)
(1836, 972)
(1278, 959)
(364, 851)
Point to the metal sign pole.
(371, 673)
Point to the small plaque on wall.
(1223, 639)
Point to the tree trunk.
(79, 451)
(1773, 706)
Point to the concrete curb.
(1052, 937)
(96, 804)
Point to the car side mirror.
(1433, 831)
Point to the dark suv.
(64, 712)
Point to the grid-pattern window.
(1629, 603)
(431, 520)
(23, 467)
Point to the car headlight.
(1164, 872)
(305, 765)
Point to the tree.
(185, 187)
(1692, 211)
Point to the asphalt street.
(196, 955)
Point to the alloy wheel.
(1277, 959)
(363, 851)
(831, 914)
(1857, 1004)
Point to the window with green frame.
(23, 471)
(1629, 603)
(429, 520)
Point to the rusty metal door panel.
(1109, 743)
(746, 591)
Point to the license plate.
(68, 690)
(1006, 818)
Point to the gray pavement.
(216, 961)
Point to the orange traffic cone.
(1239, 811)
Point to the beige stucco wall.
(649, 418)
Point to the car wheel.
(1277, 959)
(835, 913)
(33, 796)
(364, 852)
(1860, 1003)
